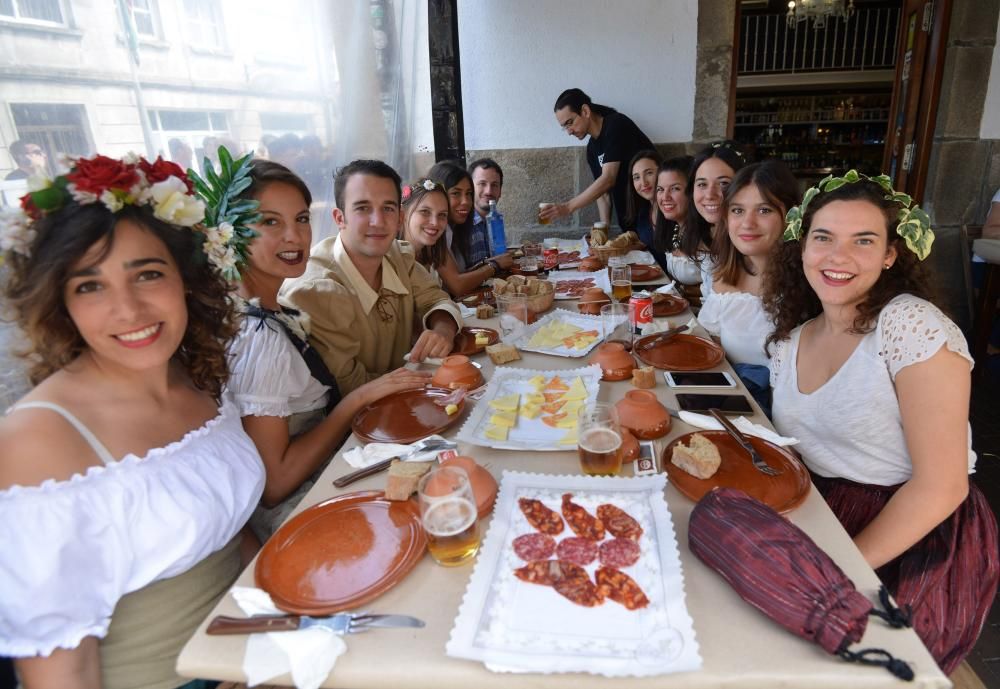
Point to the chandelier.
(818, 11)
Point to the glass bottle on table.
(495, 230)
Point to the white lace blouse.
(73, 548)
(851, 426)
(268, 376)
(738, 319)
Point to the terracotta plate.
(341, 553)
(784, 493)
(669, 305)
(642, 273)
(680, 353)
(465, 342)
(405, 417)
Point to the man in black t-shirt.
(614, 139)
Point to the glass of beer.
(600, 443)
(541, 207)
(615, 324)
(449, 516)
(621, 282)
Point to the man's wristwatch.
(495, 266)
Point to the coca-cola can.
(640, 310)
(550, 259)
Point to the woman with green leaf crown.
(874, 380)
(289, 401)
(125, 474)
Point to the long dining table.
(739, 646)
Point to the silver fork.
(758, 461)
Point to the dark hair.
(635, 204)
(779, 188)
(791, 301)
(450, 173)
(665, 230)
(284, 144)
(697, 230)
(264, 172)
(375, 168)
(486, 164)
(428, 256)
(18, 148)
(36, 284)
(575, 99)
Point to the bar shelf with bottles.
(815, 135)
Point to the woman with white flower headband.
(425, 220)
(874, 380)
(288, 399)
(125, 478)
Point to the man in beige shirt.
(364, 291)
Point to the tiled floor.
(985, 417)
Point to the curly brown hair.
(36, 285)
(791, 301)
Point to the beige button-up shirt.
(362, 333)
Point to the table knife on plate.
(341, 623)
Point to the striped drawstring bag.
(777, 568)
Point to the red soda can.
(550, 259)
(640, 310)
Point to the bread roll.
(502, 353)
(700, 458)
(403, 479)
(644, 377)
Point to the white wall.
(990, 127)
(637, 56)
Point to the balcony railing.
(865, 41)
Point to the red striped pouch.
(777, 568)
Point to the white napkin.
(465, 310)
(669, 288)
(308, 654)
(361, 457)
(743, 424)
(658, 325)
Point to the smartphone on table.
(727, 404)
(699, 379)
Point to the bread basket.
(541, 293)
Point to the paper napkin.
(361, 457)
(308, 654)
(742, 423)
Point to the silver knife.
(341, 623)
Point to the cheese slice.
(568, 422)
(482, 340)
(507, 402)
(537, 382)
(573, 407)
(496, 433)
(533, 398)
(504, 418)
(577, 390)
(572, 437)
(531, 411)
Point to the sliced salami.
(541, 517)
(619, 552)
(619, 522)
(577, 550)
(620, 588)
(534, 546)
(580, 591)
(548, 572)
(583, 523)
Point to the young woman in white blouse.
(668, 231)
(289, 401)
(124, 477)
(874, 380)
(750, 225)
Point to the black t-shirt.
(620, 139)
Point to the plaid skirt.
(948, 578)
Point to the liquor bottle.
(494, 223)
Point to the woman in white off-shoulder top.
(751, 223)
(289, 401)
(124, 476)
(874, 380)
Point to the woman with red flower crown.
(125, 479)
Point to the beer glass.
(448, 514)
(541, 207)
(513, 312)
(621, 282)
(615, 324)
(600, 443)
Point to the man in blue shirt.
(487, 185)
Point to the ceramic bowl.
(630, 446)
(590, 264)
(640, 412)
(615, 362)
(484, 486)
(591, 301)
(457, 371)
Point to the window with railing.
(867, 40)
